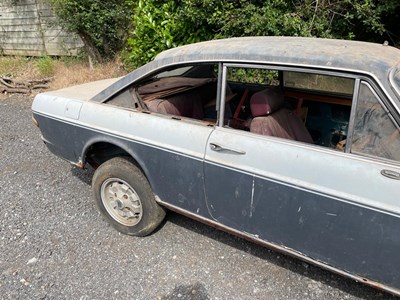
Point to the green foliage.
(254, 76)
(45, 66)
(103, 24)
(143, 28)
(162, 24)
(155, 29)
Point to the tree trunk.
(90, 47)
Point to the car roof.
(315, 52)
(368, 58)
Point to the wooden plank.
(19, 28)
(17, 8)
(51, 52)
(27, 14)
(36, 46)
(20, 34)
(23, 7)
(28, 21)
(23, 20)
(22, 46)
(23, 40)
(23, 52)
(32, 52)
(62, 48)
(36, 33)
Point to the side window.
(187, 91)
(300, 106)
(375, 133)
(254, 76)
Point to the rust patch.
(80, 164)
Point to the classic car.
(290, 142)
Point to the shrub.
(102, 25)
(45, 66)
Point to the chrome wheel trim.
(121, 201)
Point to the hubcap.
(121, 201)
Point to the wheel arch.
(100, 149)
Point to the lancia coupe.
(293, 143)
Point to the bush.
(162, 24)
(145, 28)
(102, 25)
(45, 66)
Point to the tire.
(124, 197)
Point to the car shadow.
(84, 175)
(281, 260)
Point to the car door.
(167, 134)
(341, 208)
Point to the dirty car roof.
(293, 50)
(370, 58)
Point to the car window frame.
(147, 78)
(315, 91)
(385, 100)
(278, 68)
(387, 106)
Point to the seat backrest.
(274, 120)
(188, 104)
(162, 106)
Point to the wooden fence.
(29, 28)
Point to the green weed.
(45, 66)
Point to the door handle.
(391, 174)
(219, 148)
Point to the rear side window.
(318, 82)
(375, 132)
(254, 76)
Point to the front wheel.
(123, 195)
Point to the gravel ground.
(55, 245)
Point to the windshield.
(395, 79)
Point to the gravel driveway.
(55, 245)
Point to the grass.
(11, 66)
(45, 66)
(64, 72)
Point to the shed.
(30, 28)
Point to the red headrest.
(265, 102)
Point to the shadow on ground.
(295, 265)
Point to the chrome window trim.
(324, 70)
(392, 81)
(222, 97)
(292, 68)
(352, 115)
(262, 64)
(219, 84)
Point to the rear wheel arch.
(98, 152)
